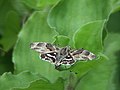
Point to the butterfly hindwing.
(50, 57)
(68, 60)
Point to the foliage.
(93, 25)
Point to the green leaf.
(9, 24)
(21, 9)
(116, 5)
(11, 29)
(5, 6)
(44, 85)
(9, 81)
(61, 40)
(112, 49)
(38, 4)
(67, 16)
(12, 13)
(82, 68)
(106, 76)
(35, 30)
(90, 37)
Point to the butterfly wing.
(83, 55)
(59, 56)
(43, 47)
(68, 60)
(50, 57)
(47, 51)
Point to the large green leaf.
(11, 29)
(9, 81)
(12, 15)
(5, 7)
(82, 68)
(90, 37)
(44, 85)
(106, 75)
(39, 4)
(9, 24)
(35, 29)
(67, 16)
(112, 49)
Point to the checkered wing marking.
(47, 51)
(82, 55)
(59, 56)
(43, 47)
(68, 60)
(50, 57)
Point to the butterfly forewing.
(42, 47)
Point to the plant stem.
(71, 81)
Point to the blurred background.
(14, 14)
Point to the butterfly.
(61, 56)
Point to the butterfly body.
(60, 56)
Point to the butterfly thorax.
(62, 54)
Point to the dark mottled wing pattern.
(68, 60)
(50, 57)
(59, 56)
(42, 47)
(47, 51)
(82, 55)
